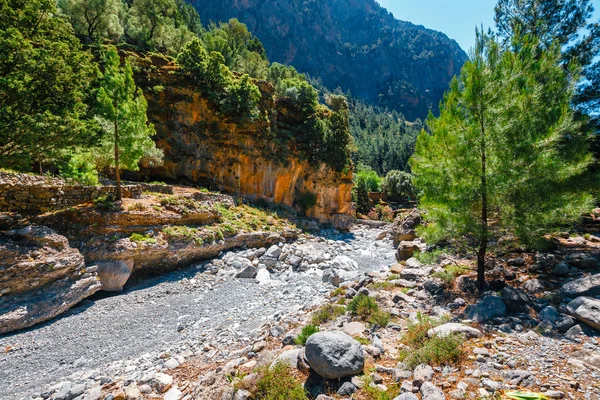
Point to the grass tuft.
(307, 331)
(366, 308)
(327, 313)
(278, 383)
(451, 272)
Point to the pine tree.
(123, 107)
(505, 153)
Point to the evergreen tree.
(568, 23)
(338, 139)
(45, 79)
(505, 148)
(123, 107)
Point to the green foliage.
(138, 237)
(233, 97)
(278, 383)
(231, 39)
(122, 108)
(506, 147)
(106, 203)
(435, 351)
(419, 348)
(398, 186)
(306, 332)
(158, 25)
(306, 201)
(80, 167)
(384, 139)
(366, 308)
(361, 196)
(525, 396)
(369, 176)
(430, 257)
(95, 19)
(451, 272)
(45, 82)
(327, 313)
(182, 234)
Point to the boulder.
(561, 269)
(431, 392)
(403, 228)
(487, 309)
(407, 396)
(587, 286)
(434, 286)
(415, 273)
(288, 357)
(583, 261)
(334, 355)
(262, 276)
(344, 263)
(516, 300)
(534, 286)
(247, 273)
(423, 373)
(273, 252)
(332, 276)
(114, 274)
(451, 327)
(586, 310)
(354, 328)
(406, 250)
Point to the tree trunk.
(483, 238)
(117, 169)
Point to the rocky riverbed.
(159, 322)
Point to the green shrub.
(182, 233)
(307, 331)
(451, 272)
(367, 309)
(106, 203)
(327, 313)
(398, 186)
(369, 176)
(278, 383)
(437, 350)
(306, 201)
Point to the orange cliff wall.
(249, 160)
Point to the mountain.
(355, 45)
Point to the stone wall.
(38, 194)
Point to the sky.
(456, 18)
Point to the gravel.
(182, 312)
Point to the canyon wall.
(258, 160)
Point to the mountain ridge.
(356, 45)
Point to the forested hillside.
(355, 45)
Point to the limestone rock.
(114, 274)
(431, 392)
(249, 272)
(451, 327)
(403, 228)
(334, 355)
(516, 300)
(587, 286)
(587, 310)
(406, 250)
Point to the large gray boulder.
(516, 300)
(588, 286)
(334, 355)
(586, 310)
(487, 309)
(431, 392)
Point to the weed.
(451, 272)
(430, 257)
(307, 331)
(327, 313)
(139, 238)
(372, 392)
(382, 285)
(278, 383)
(367, 309)
(362, 340)
(437, 350)
(106, 203)
(137, 207)
(182, 233)
(341, 291)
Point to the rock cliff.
(258, 160)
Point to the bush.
(278, 383)
(327, 313)
(451, 272)
(106, 203)
(306, 201)
(369, 176)
(307, 331)
(398, 186)
(419, 348)
(367, 309)
(437, 350)
(137, 237)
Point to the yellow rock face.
(242, 159)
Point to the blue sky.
(456, 18)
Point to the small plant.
(307, 331)
(430, 257)
(437, 350)
(327, 313)
(366, 308)
(106, 203)
(525, 396)
(341, 291)
(451, 272)
(139, 238)
(382, 285)
(372, 392)
(182, 233)
(137, 207)
(278, 383)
